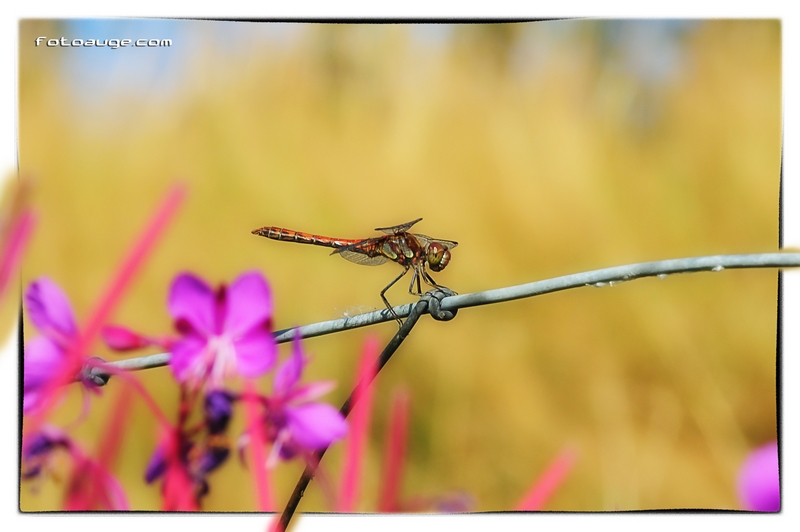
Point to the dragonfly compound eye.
(438, 257)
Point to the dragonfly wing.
(359, 257)
(448, 244)
(395, 229)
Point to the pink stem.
(111, 297)
(93, 496)
(12, 251)
(115, 429)
(257, 444)
(549, 481)
(395, 455)
(130, 265)
(359, 426)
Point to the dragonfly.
(412, 251)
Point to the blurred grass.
(662, 386)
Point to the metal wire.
(597, 278)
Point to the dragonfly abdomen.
(288, 235)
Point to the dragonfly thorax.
(437, 256)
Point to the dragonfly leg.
(428, 279)
(414, 278)
(386, 301)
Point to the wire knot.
(434, 298)
(91, 373)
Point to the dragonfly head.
(437, 256)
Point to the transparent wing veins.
(360, 258)
(425, 239)
(395, 229)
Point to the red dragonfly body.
(409, 250)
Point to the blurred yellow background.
(543, 148)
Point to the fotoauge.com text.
(110, 43)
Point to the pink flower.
(759, 484)
(223, 332)
(47, 361)
(295, 422)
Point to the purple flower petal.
(32, 400)
(50, 310)
(211, 458)
(249, 304)
(309, 392)
(218, 409)
(38, 448)
(315, 425)
(41, 443)
(256, 353)
(288, 374)
(192, 302)
(157, 465)
(759, 485)
(186, 360)
(221, 332)
(43, 360)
